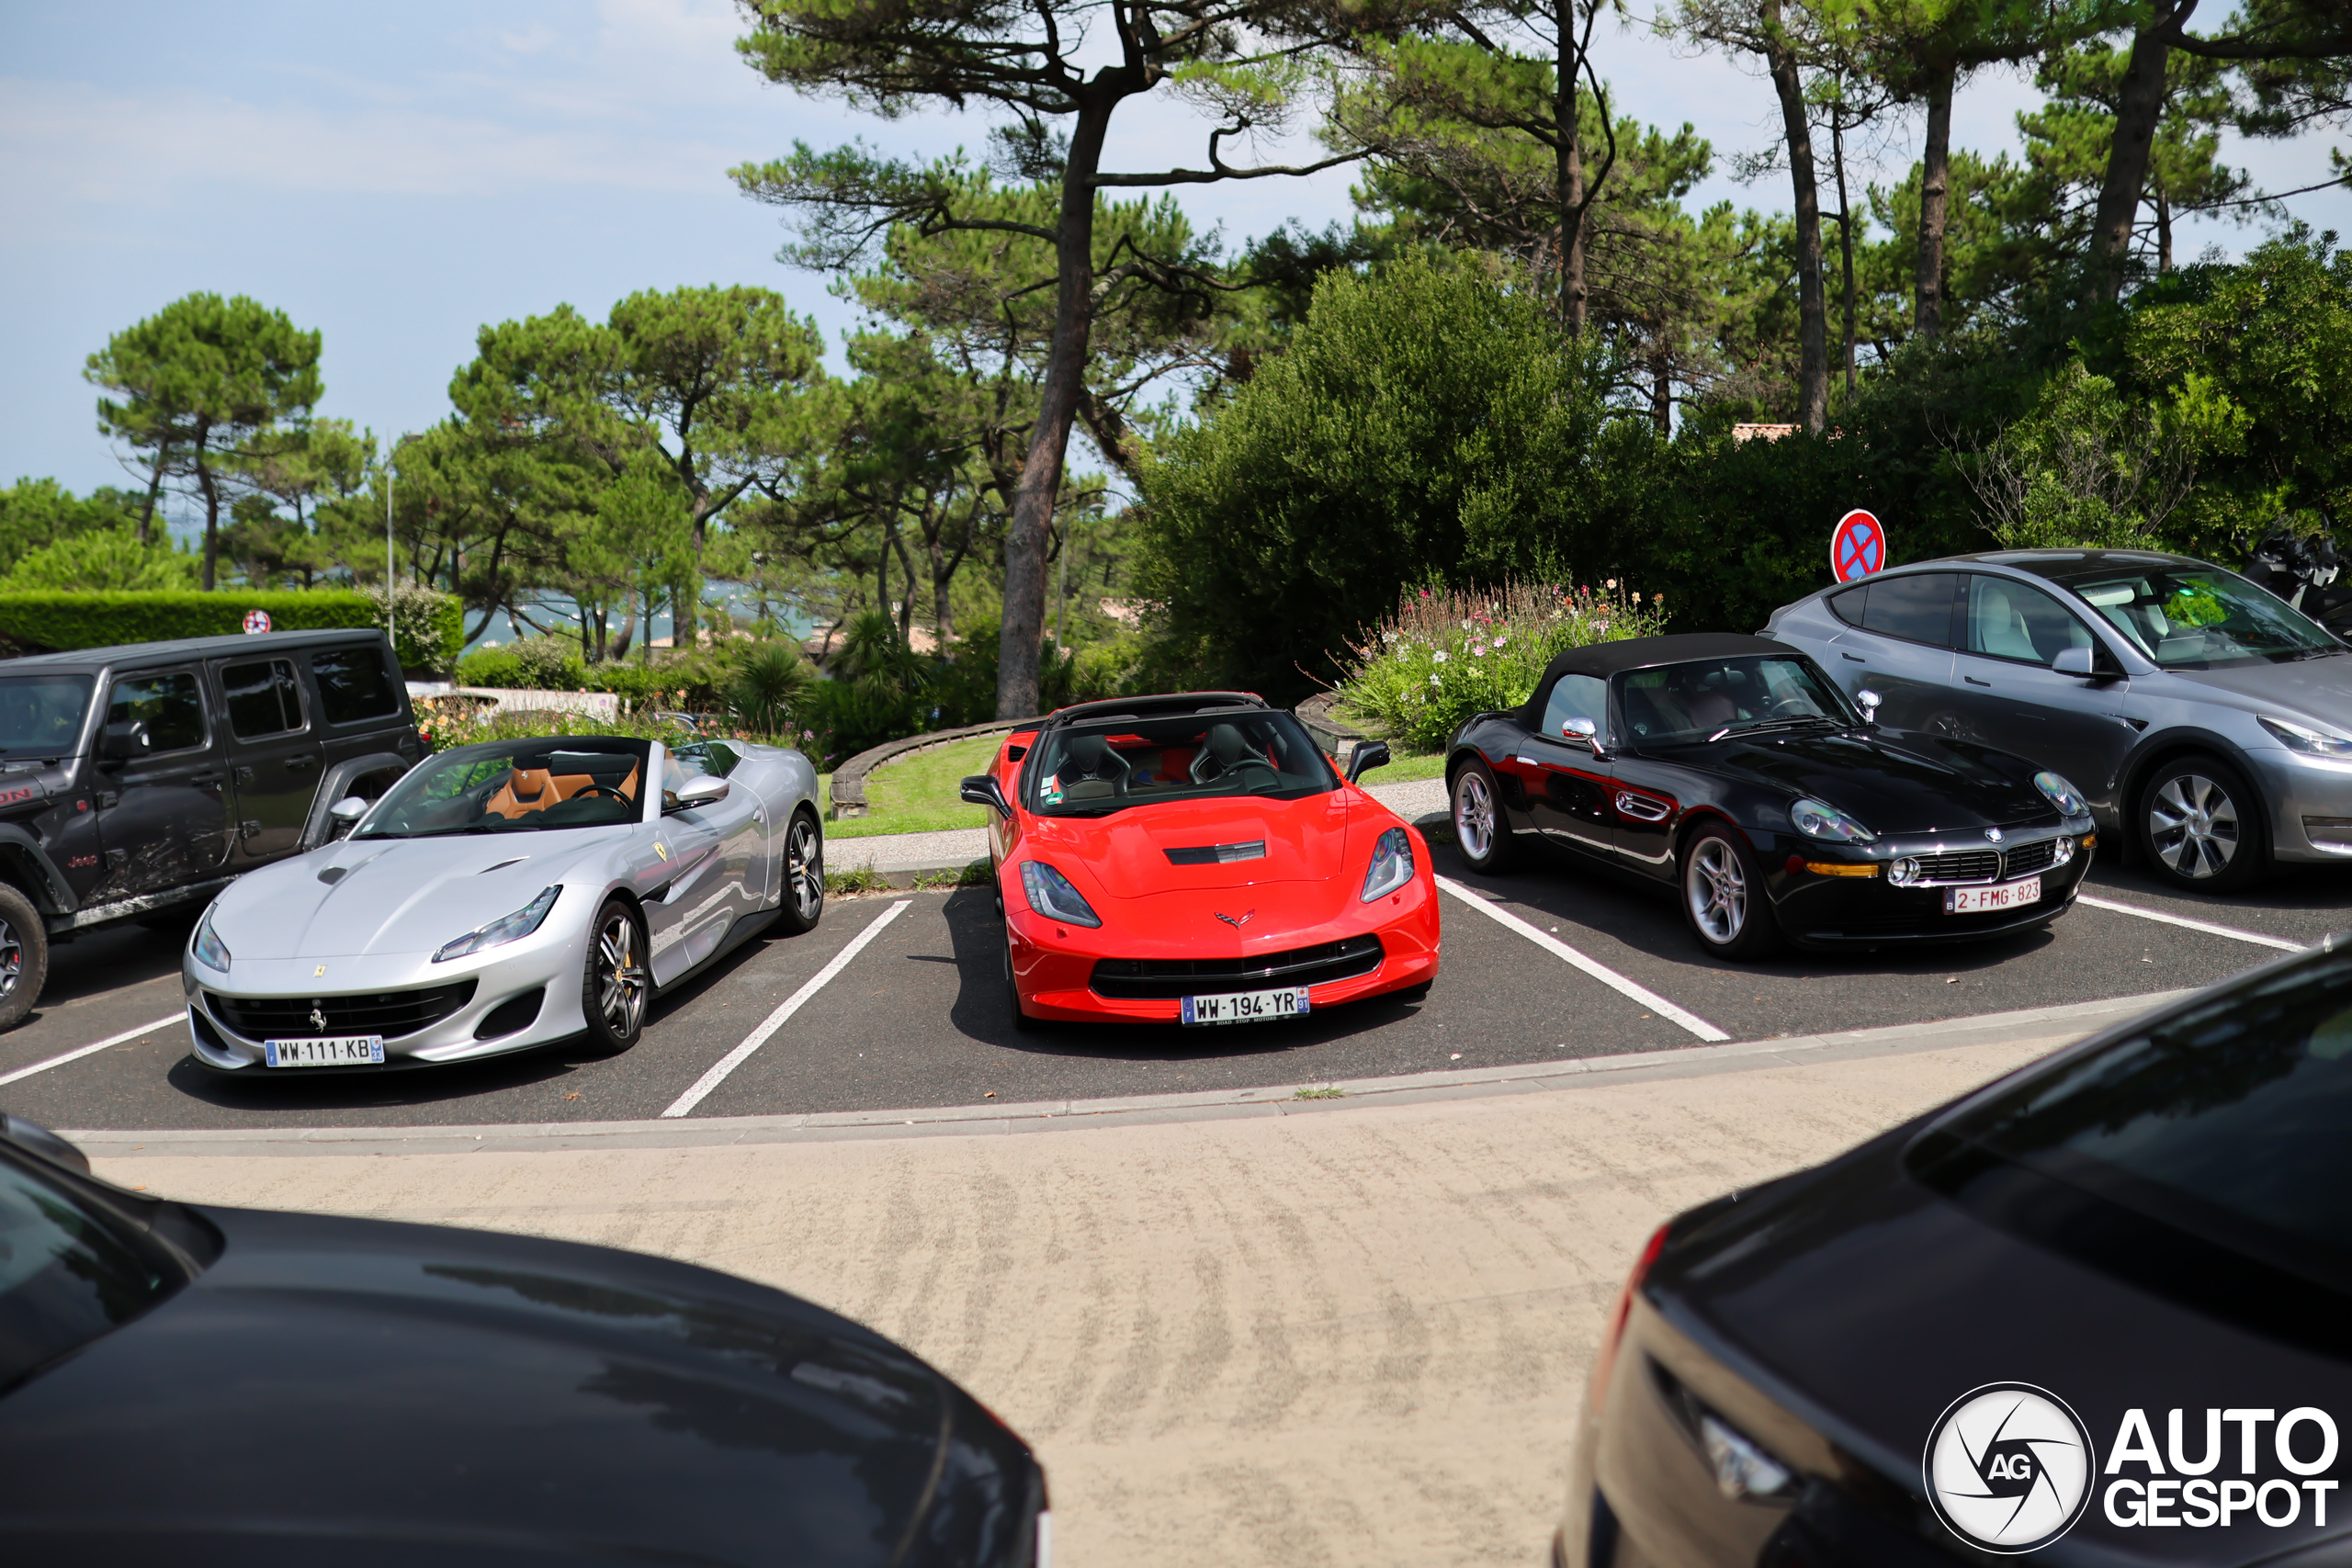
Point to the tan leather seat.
(525, 790)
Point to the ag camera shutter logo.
(2009, 1467)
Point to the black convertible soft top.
(1607, 658)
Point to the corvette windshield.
(2195, 620)
(1095, 769)
(512, 786)
(1706, 697)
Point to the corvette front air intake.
(1164, 979)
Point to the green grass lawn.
(916, 794)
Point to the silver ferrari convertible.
(504, 895)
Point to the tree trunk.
(1041, 475)
(2139, 104)
(1812, 322)
(1935, 190)
(2164, 229)
(1569, 173)
(1661, 393)
(212, 488)
(1845, 240)
(154, 488)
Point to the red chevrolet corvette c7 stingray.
(1197, 858)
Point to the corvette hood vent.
(1217, 854)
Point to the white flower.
(1439, 656)
(1433, 677)
(1466, 626)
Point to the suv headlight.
(1816, 820)
(2308, 741)
(209, 950)
(1392, 864)
(504, 929)
(1051, 895)
(2062, 794)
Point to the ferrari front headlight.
(1392, 864)
(208, 947)
(504, 929)
(1051, 895)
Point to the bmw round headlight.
(1816, 821)
(2062, 794)
(208, 947)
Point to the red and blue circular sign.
(1857, 545)
(256, 620)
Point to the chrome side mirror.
(1579, 729)
(981, 789)
(703, 789)
(1870, 701)
(2074, 662)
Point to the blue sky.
(395, 175)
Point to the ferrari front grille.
(388, 1013)
(1166, 979)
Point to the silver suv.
(2203, 716)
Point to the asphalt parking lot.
(917, 1017)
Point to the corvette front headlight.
(1051, 895)
(1392, 864)
(1816, 821)
(2304, 738)
(502, 931)
(208, 947)
(2062, 794)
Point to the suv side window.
(1916, 609)
(169, 704)
(1849, 606)
(351, 684)
(1577, 696)
(2009, 620)
(263, 699)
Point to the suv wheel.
(24, 956)
(2201, 827)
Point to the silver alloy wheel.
(620, 979)
(1717, 889)
(12, 960)
(1473, 814)
(803, 868)
(2193, 824)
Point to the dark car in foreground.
(1734, 770)
(137, 782)
(196, 1385)
(2099, 1310)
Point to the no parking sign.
(1857, 545)
(256, 620)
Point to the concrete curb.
(2058, 1025)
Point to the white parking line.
(778, 1019)
(93, 1048)
(1594, 967)
(2206, 926)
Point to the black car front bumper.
(1821, 911)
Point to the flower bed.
(1448, 654)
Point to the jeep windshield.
(2195, 619)
(42, 714)
(1112, 764)
(514, 786)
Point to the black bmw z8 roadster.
(1733, 769)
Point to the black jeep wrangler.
(136, 783)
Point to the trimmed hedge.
(69, 621)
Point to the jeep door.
(274, 760)
(362, 707)
(168, 823)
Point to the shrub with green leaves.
(1446, 655)
(103, 561)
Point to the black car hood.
(1865, 1303)
(1906, 784)
(333, 1381)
